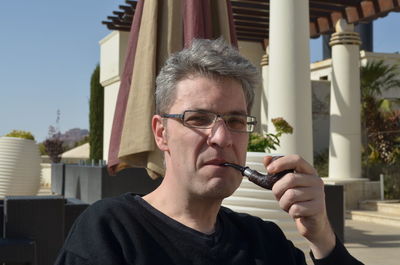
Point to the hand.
(301, 194)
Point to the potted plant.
(19, 164)
(260, 145)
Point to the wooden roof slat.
(249, 18)
(317, 14)
(342, 3)
(247, 24)
(324, 8)
(248, 33)
(132, 3)
(252, 39)
(118, 13)
(113, 26)
(314, 29)
(258, 30)
(250, 26)
(254, 13)
(127, 9)
(256, 2)
(386, 5)
(352, 14)
(250, 6)
(367, 8)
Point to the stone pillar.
(345, 109)
(289, 90)
(264, 93)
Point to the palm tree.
(379, 120)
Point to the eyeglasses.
(205, 119)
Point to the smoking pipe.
(265, 181)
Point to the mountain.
(72, 136)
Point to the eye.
(198, 119)
(236, 122)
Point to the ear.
(159, 132)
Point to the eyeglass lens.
(235, 122)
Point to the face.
(193, 156)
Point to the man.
(204, 96)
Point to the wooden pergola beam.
(253, 15)
(250, 4)
(341, 3)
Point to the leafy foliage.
(392, 182)
(20, 134)
(321, 163)
(96, 115)
(261, 143)
(380, 122)
(53, 144)
(282, 126)
(381, 125)
(54, 148)
(42, 149)
(377, 77)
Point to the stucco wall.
(322, 69)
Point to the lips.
(215, 161)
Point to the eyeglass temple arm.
(178, 116)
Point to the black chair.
(18, 251)
(35, 227)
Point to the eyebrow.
(237, 112)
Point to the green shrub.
(392, 182)
(42, 149)
(321, 163)
(270, 141)
(261, 143)
(96, 115)
(21, 134)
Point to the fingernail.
(270, 168)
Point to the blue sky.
(49, 49)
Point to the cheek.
(187, 145)
(242, 140)
(241, 146)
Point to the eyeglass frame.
(181, 117)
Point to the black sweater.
(128, 230)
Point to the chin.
(221, 189)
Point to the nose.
(220, 135)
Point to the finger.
(296, 195)
(291, 162)
(305, 209)
(295, 180)
(267, 160)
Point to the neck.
(192, 211)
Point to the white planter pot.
(254, 160)
(19, 167)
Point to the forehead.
(221, 95)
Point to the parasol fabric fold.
(159, 29)
(114, 164)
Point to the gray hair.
(209, 58)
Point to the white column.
(253, 51)
(345, 109)
(289, 90)
(112, 59)
(264, 93)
